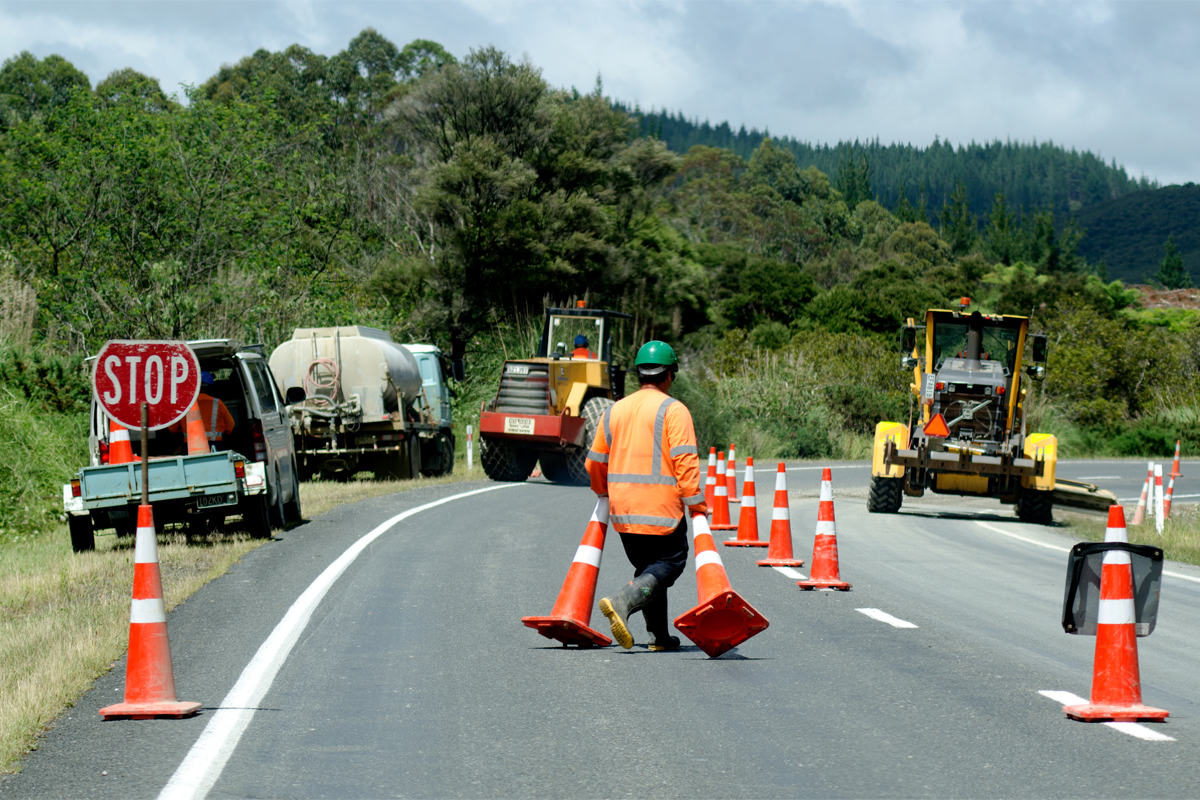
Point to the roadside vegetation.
(1180, 539)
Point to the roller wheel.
(504, 462)
(83, 536)
(1035, 507)
(885, 496)
(565, 468)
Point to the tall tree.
(1002, 241)
(958, 223)
(30, 85)
(1171, 273)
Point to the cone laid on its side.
(748, 516)
(1140, 512)
(825, 572)
(720, 509)
(571, 616)
(710, 482)
(1116, 682)
(722, 619)
(197, 438)
(731, 476)
(779, 551)
(149, 676)
(120, 451)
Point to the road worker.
(213, 413)
(581, 348)
(644, 459)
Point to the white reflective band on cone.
(1115, 612)
(1116, 557)
(711, 480)
(151, 610)
(708, 557)
(825, 527)
(586, 554)
(700, 526)
(145, 547)
(826, 491)
(722, 490)
(780, 482)
(779, 513)
(601, 513)
(748, 500)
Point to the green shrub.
(56, 383)
(39, 451)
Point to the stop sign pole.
(147, 384)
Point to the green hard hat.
(654, 357)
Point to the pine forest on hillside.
(448, 200)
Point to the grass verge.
(64, 616)
(1180, 539)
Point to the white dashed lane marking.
(1131, 728)
(883, 616)
(791, 573)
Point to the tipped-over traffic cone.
(720, 509)
(710, 483)
(568, 620)
(825, 573)
(1116, 684)
(779, 553)
(748, 516)
(149, 677)
(722, 619)
(197, 439)
(120, 451)
(1140, 512)
(731, 476)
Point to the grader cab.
(969, 437)
(547, 408)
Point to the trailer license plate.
(518, 425)
(517, 369)
(213, 500)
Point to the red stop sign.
(165, 375)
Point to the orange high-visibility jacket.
(215, 416)
(644, 458)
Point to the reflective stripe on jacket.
(644, 458)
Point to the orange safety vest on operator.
(215, 416)
(644, 458)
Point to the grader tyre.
(503, 462)
(1036, 508)
(885, 495)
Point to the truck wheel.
(291, 511)
(278, 513)
(885, 495)
(503, 462)
(443, 448)
(83, 537)
(1035, 507)
(256, 516)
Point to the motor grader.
(547, 408)
(970, 437)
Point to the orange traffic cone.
(748, 516)
(722, 619)
(710, 483)
(568, 620)
(720, 511)
(779, 553)
(197, 439)
(149, 678)
(1116, 684)
(120, 451)
(1175, 473)
(825, 574)
(731, 476)
(1140, 512)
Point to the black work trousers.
(664, 557)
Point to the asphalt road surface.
(412, 676)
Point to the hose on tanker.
(314, 381)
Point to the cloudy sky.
(1120, 79)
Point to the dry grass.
(64, 616)
(1180, 539)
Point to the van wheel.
(256, 516)
(83, 536)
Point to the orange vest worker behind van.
(213, 413)
(644, 458)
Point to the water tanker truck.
(358, 401)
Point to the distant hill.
(1128, 233)
(1033, 175)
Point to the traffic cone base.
(781, 562)
(747, 543)
(1092, 712)
(721, 624)
(809, 585)
(568, 622)
(149, 710)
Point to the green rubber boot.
(655, 616)
(632, 597)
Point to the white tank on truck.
(360, 401)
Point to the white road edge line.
(1131, 728)
(791, 573)
(883, 616)
(1012, 535)
(206, 759)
